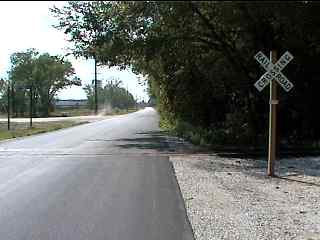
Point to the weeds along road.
(55, 119)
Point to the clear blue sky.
(28, 24)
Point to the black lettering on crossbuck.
(273, 71)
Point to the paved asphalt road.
(102, 180)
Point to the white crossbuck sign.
(273, 71)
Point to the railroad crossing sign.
(273, 74)
(273, 71)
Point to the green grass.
(218, 140)
(23, 129)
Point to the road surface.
(102, 180)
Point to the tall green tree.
(111, 95)
(45, 74)
(198, 59)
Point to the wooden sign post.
(272, 120)
(273, 74)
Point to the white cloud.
(29, 25)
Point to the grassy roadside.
(88, 112)
(23, 129)
(218, 141)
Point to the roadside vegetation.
(112, 97)
(74, 112)
(23, 129)
(197, 58)
(35, 78)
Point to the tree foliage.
(45, 74)
(110, 96)
(198, 59)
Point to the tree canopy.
(198, 59)
(111, 95)
(45, 74)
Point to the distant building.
(70, 103)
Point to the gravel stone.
(232, 198)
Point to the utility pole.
(136, 102)
(8, 106)
(31, 104)
(12, 99)
(95, 87)
(272, 119)
(127, 98)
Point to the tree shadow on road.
(159, 141)
(290, 167)
(150, 140)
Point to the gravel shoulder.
(232, 198)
